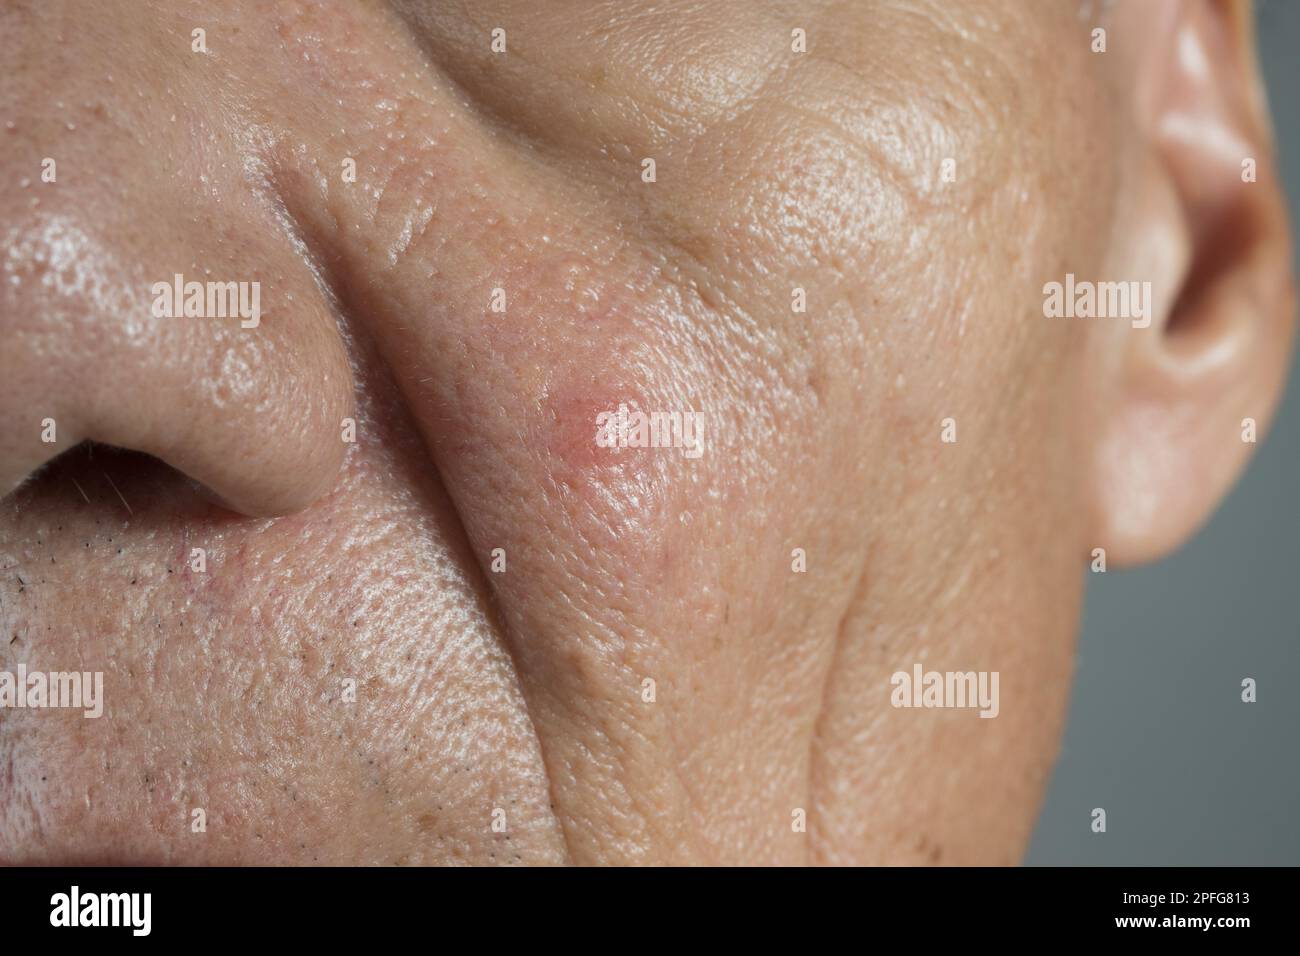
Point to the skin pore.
(519, 694)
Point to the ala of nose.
(240, 382)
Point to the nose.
(208, 347)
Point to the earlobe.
(1203, 219)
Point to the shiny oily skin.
(522, 691)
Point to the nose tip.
(238, 379)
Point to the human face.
(364, 576)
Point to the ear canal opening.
(1223, 239)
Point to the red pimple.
(571, 418)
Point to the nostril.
(212, 351)
(265, 457)
(256, 416)
(125, 485)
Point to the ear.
(1177, 398)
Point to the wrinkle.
(349, 311)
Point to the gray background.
(1158, 735)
